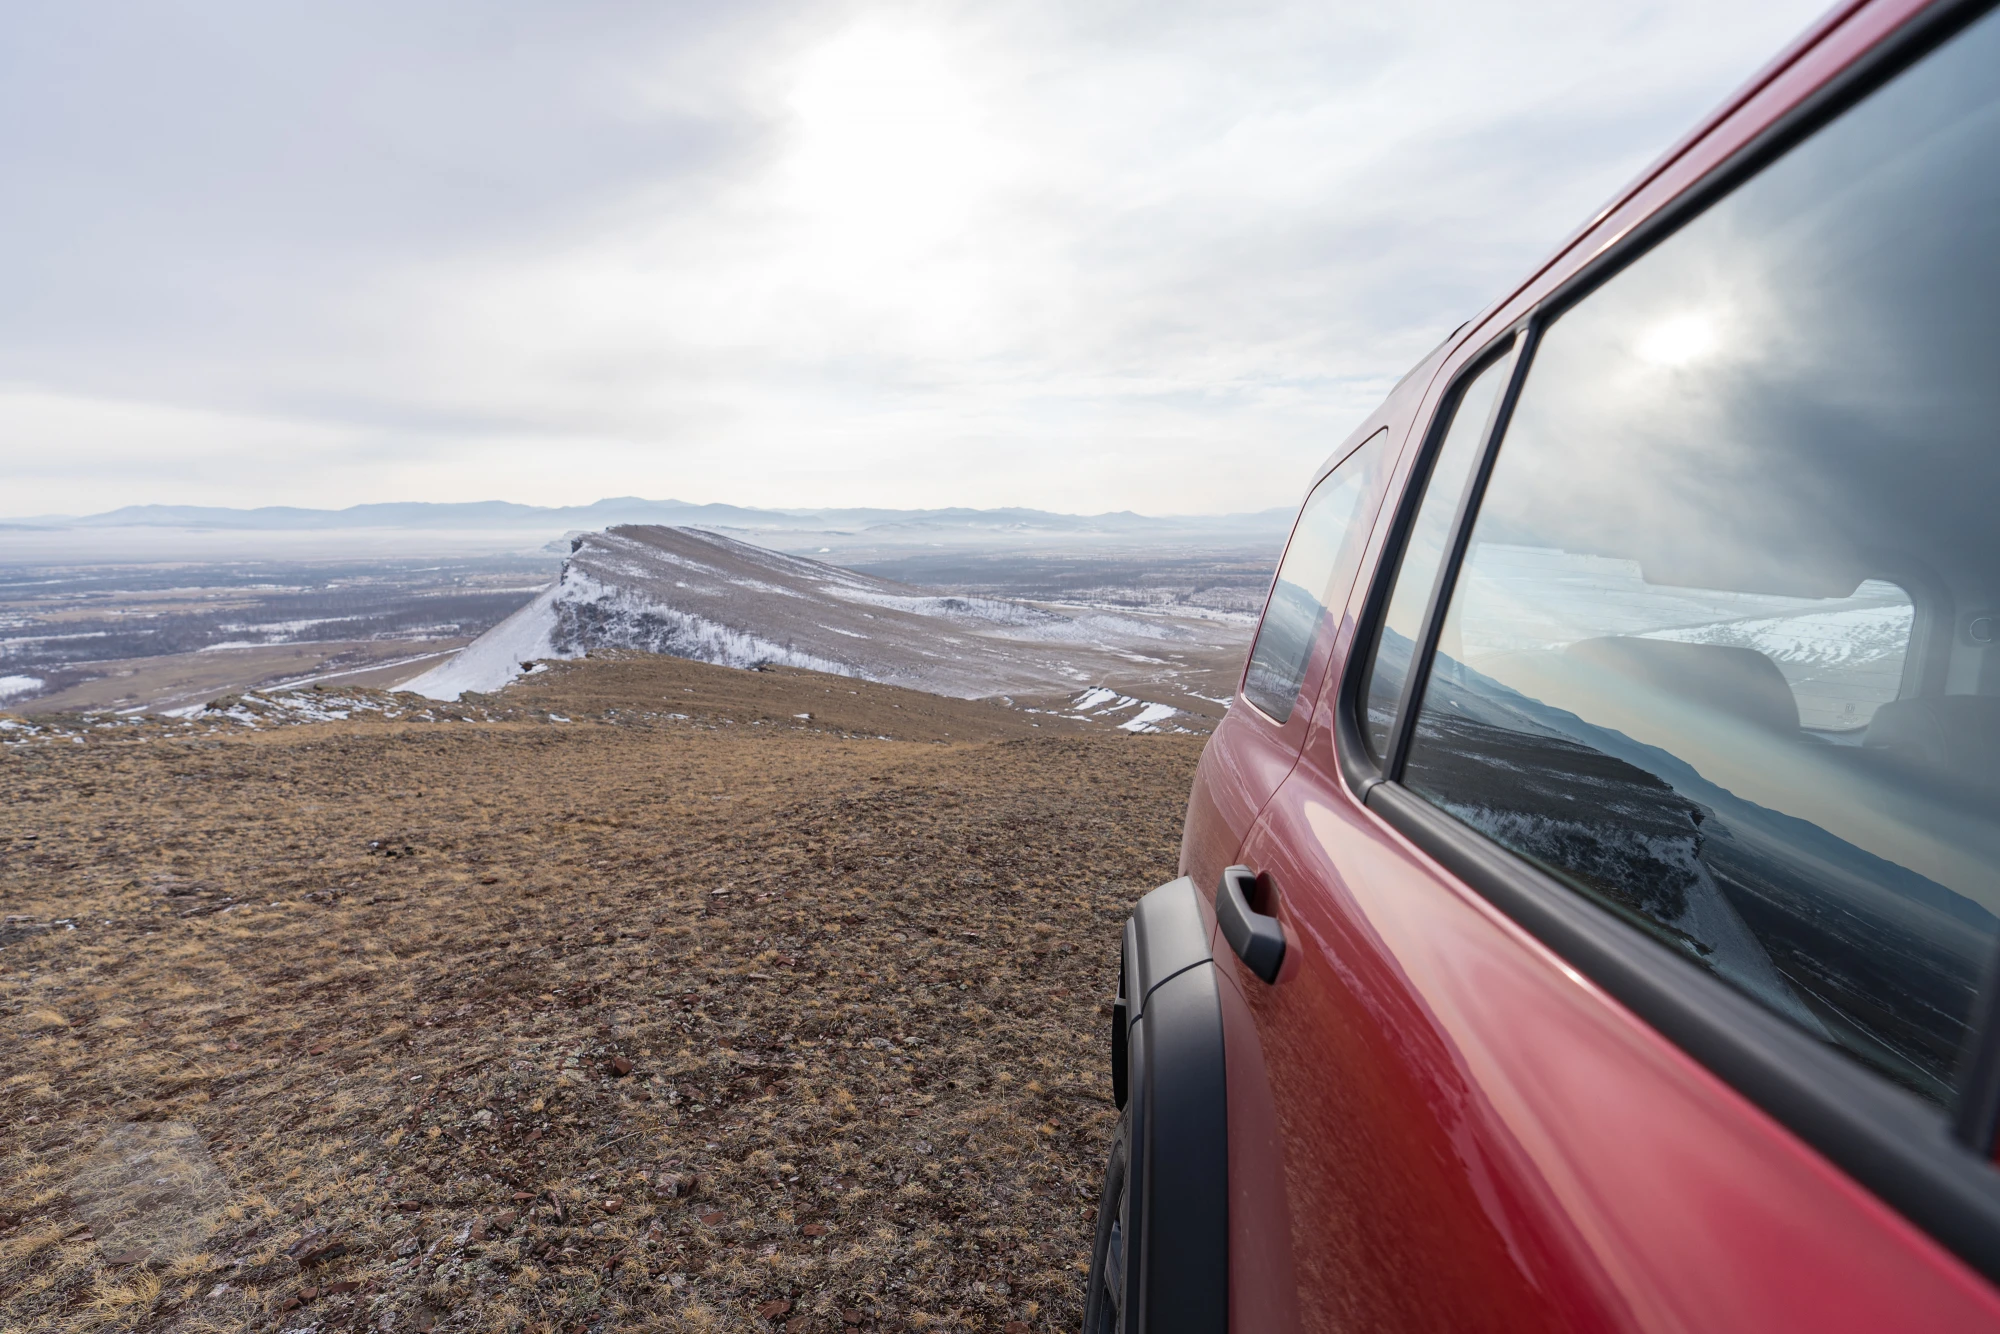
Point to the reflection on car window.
(1841, 658)
(1317, 567)
(1715, 657)
(1423, 553)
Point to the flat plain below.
(645, 995)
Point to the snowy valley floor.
(628, 999)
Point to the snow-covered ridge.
(590, 613)
(699, 595)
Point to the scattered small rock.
(321, 1255)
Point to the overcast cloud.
(1085, 256)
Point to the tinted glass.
(1424, 551)
(1721, 654)
(1316, 572)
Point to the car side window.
(1325, 546)
(1714, 657)
(1423, 552)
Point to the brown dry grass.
(389, 973)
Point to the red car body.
(1435, 1120)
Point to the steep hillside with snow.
(695, 594)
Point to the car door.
(1351, 1204)
(1259, 738)
(1636, 954)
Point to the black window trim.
(1357, 764)
(1937, 1171)
(1519, 346)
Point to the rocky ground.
(648, 995)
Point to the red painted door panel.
(1245, 760)
(1264, 1290)
(1469, 1136)
(1252, 751)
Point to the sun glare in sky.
(1678, 341)
(888, 151)
(1080, 258)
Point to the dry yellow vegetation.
(649, 995)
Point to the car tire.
(1104, 1300)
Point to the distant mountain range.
(885, 524)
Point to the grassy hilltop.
(632, 998)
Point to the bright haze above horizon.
(1082, 258)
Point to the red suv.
(1588, 912)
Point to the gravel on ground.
(645, 995)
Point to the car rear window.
(1720, 654)
(1322, 554)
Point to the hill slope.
(375, 980)
(699, 595)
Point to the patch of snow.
(988, 611)
(290, 627)
(11, 686)
(1146, 719)
(763, 587)
(495, 658)
(1097, 627)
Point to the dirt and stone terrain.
(644, 995)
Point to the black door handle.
(1257, 939)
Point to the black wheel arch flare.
(1167, 1061)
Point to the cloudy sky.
(1081, 256)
